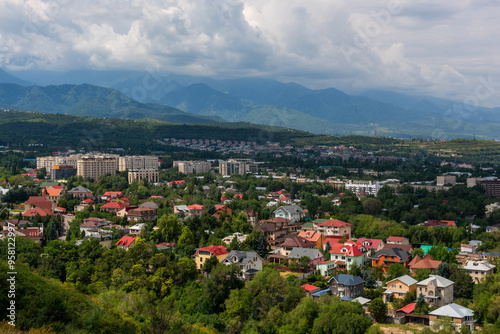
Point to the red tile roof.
(372, 243)
(110, 193)
(196, 207)
(408, 308)
(114, 205)
(125, 241)
(309, 287)
(39, 201)
(426, 262)
(41, 212)
(349, 250)
(214, 250)
(334, 223)
(396, 238)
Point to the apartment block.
(237, 166)
(193, 167)
(93, 166)
(136, 162)
(151, 175)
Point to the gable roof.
(309, 287)
(297, 253)
(334, 223)
(298, 242)
(438, 281)
(408, 280)
(214, 250)
(346, 279)
(196, 207)
(79, 189)
(408, 308)
(114, 205)
(406, 248)
(402, 255)
(426, 262)
(392, 238)
(126, 241)
(370, 243)
(52, 191)
(291, 209)
(269, 227)
(38, 211)
(350, 250)
(241, 257)
(313, 236)
(40, 202)
(453, 310)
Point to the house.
(468, 249)
(33, 233)
(427, 262)
(286, 200)
(126, 242)
(295, 242)
(437, 290)
(93, 223)
(406, 248)
(310, 289)
(344, 285)
(461, 316)
(399, 287)
(240, 236)
(439, 223)
(181, 210)
(272, 233)
(142, 214)
(110, 194)
(53, 193)
(33, 212)
(334, 227)
(38, 202)
(326, 268)
(221, 208)
(136, 229)
(249, 262)
(204, 253)
(84, 204)
(149, 205)
(197, 210)
(371, 244)
(348, 253)
(478, 270)
(112, 206)
(313, 236)
(252, 216)
(292, 212)
(386, 257)
(314, 254)
(80, 192)
(398, 240)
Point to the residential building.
(326, 268)
(150, 175)
(478, 270)
(468, 249)
(80, 192)
(62, 172)
(406, 248)
(240, 236)
(53, 193)
(427, 262)
(386, 257)
(313, 236)
(296, 242)
(249, 262)
(252, 216)
(197, 210)
(38, 202)
(346, 286)
(491, 187)
(446, 180)
(136, 229)
(437, 290)
(371, 244)
(181, 209)
(193, 167)
(137, 162)
(93, 166)
(348, 253)
(310, 289)
(334, 227)
(399, 287)
(398, 240)
(291, 212)
(126, 242)
(272, 233)
(237, 166)
(314, 254)
(113, 206)
(203, 254)
(142, 214)
(461, 316)
(368, 187)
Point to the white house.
(291, 212)
(249, 262)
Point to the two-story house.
(80, 192)
(348, 253)
(291, 212)
(197, 210)
(461, 316)
(295, 242)
(398, 240)
(478, 270)
(204, 253)
(371, 244)
(427, 262)
(346, 286)
(399, 287)
(249, 262)
(313, 236)
(437, 290)
(386, 257)
(126, 242)
(272, 233)
(334, 227)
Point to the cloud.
(422, 47)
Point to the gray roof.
(149, 205)
(478, 265)
(439, 281)
(345, 279)
(392, 252)
(453, 310)
(361, 300)
(297, 253)
(408, 280)
(80, 189)
(240, 257)
(291, 209)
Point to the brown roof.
(268, 227)
(426, 262)
(298, 242)
(40, 202)
(406, 248)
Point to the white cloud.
(423, 47)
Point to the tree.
(370, 282)
(371, 206)
(261, 247)
(464, 284)
(304, 262)
(417, 251)
(51, 232)
(186, 237)
(234, 244)
(210, 263)
(422, 273)
(378, 309)
(354, 269)
(328, 247)
(396, 270)
(312, 205)
(443, 270)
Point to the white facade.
(369, 187)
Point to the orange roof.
(214, 250)
(41, 212)
(426, 262)
(196, 207)
(52, 191)
(396, 238)
(310, 235)
(125, 241)
(408, 308)
(110, 193)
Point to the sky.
(445, 48)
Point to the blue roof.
(345, 279)
(320, 293)
(345, 298)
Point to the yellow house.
(399, 287)
(202, 254)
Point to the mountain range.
(176, 98)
